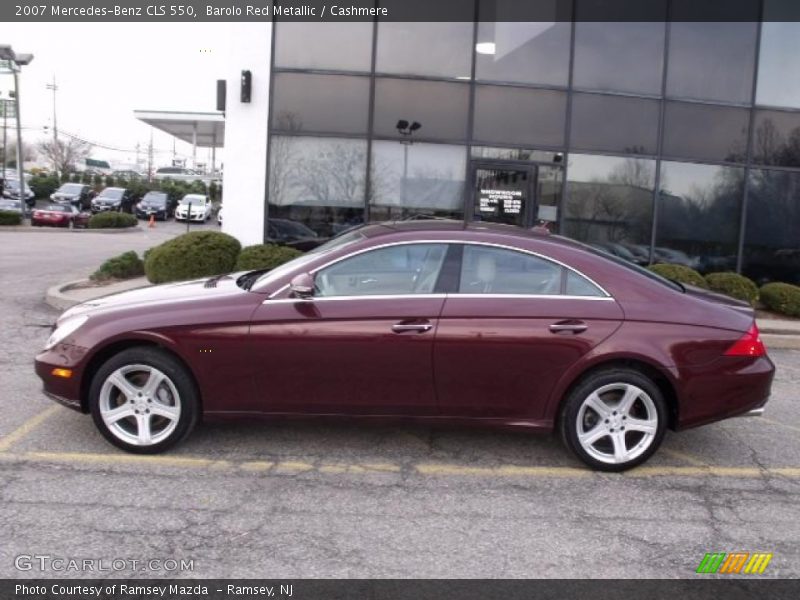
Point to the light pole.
(16, 61)
(406, 130)
(56, 149)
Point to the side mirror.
(302, 285)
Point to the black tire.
(169, 366)
(608, 378)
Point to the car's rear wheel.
(143, 400)
(614, 419)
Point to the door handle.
(418, 327)
(569, 327)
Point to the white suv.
(200, 208)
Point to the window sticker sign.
(507, 202)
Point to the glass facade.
(658, 142)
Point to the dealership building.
(657, 141)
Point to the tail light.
(749, 344)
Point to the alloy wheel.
(616, 423)
(140, 405)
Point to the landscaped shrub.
(124, 266)
(264, 256)
(8, 217)
(112, 220)
(782, 298)
(44, 185)
(191, 256)
(680, 273)
(734, 285)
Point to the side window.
(488, 270)
(402, 269)
(577, 285)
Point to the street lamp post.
(406, 130)
(16, 61)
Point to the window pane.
(580, 286)
(417, 179)
(403, 269)
(776, 139)
(778, 66)
(519, 116)
(344, 46)
(517, 154)
(771, 241)
(698, 216)
(705, 132)
(440, 108)
(610, 201)
(614, 123)
(486, 270)
(318, 182)
(625, 57)
(434, 49)
(320, 103)
(523, 52)
(711, 61)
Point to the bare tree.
(65, 154)
(10, 155)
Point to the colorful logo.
(735, 563)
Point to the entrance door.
(522, 194)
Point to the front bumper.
(183, 217)
(98, 208)
(65, 391)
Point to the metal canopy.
(208, 127)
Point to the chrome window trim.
(606, 296)
(440, 297)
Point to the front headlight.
(66, 328)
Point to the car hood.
(64, 195)
(160, 295)
(100, 200)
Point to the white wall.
(245, 171)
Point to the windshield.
(151, 198)
(340, 241)
(10, 204)
(193, 200)
(59, 208)
(632, 266)
(70, 188)
(111, 193)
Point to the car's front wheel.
(614, 419)
(143, 400)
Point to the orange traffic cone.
(152, 221)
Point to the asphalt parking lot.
(318, 500)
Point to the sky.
(105, 71)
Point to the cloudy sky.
(105, 71)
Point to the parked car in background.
(10, 205)
(113, 198)
(76, 194)
(675, 257)
(156, 204)
(439, 321)
(11, 190)
(200, 208)
(60, 215)
(128, 174)
(219, 217)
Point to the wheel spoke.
(153, 381)
(620, 449)
(597, 405)
(143, 425)
(648, 426)
(630, 396)
(113, 415)
(588, 438)
(123, 385)
(163, 410)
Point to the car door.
(362, 344)
(515, 323)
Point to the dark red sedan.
(431, 320)
(60, 215)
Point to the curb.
(57, 297)
(32, 229)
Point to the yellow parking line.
(24, 429)
(432, 469)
